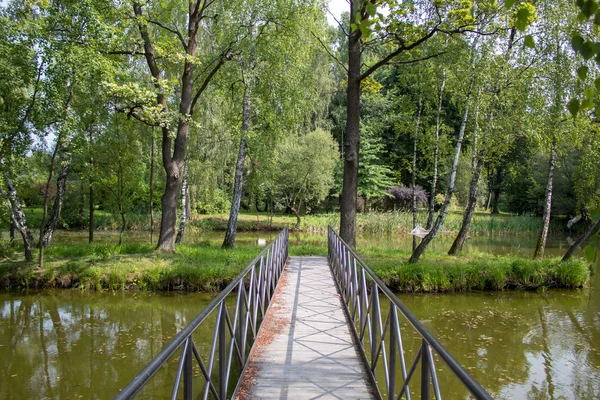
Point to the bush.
(219, 203)
(402, 196)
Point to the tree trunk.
(295, 212)
(45, 202)
(490, 188)
(46, 197)
(229, 241)
(152, 188)
(61, 186)
(188, 203)
(440, 219)
(16, 213)
(458, 243)
(496, 190)
(541, 243)
(173, 152)
(352, 140)
(19, 220)
(121, 211)
(91, 222)
(166, 238)
(414, 163)
(477, 165)
(436, 150)
(184, 201)
(589, 231)
(11, 230)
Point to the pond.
(70, 344)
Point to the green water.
(518, 345)
(67, 344)
(71, 344)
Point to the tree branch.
(329, 52)
(125, 53)
(224, 57)
(173, 31)
(416, 60)
(338, 22)
(38, 79)
(130, 111)
(402, 48)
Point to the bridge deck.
(305, 349)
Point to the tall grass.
(376, 223)
(367, 223)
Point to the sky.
(336, 7)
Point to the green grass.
(206, 267)
(443, 273)
(202, 267)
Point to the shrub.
(402, 196)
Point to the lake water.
(70, 344)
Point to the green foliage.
(374, 176)
(305, 168)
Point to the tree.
(452, 179)
(304, 173)
(555, 61)
(157, 35)
(20, 80)
(504, 76)
(404, 29)
(120, 167)
(277, 64)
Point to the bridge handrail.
(359, 303)
(251, 305)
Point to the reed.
(383, 223)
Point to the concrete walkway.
(305, 349)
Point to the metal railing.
(361, 291)
(234, 333)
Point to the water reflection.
(68, 344)
(519, 345)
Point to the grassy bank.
(443, 273)
(205, 267)
(201, 267)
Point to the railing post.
(222, 353)
(188, 374)
(373, 331)
(425, 373)
(241, 330)
(393, 340)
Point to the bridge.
(305, 328)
